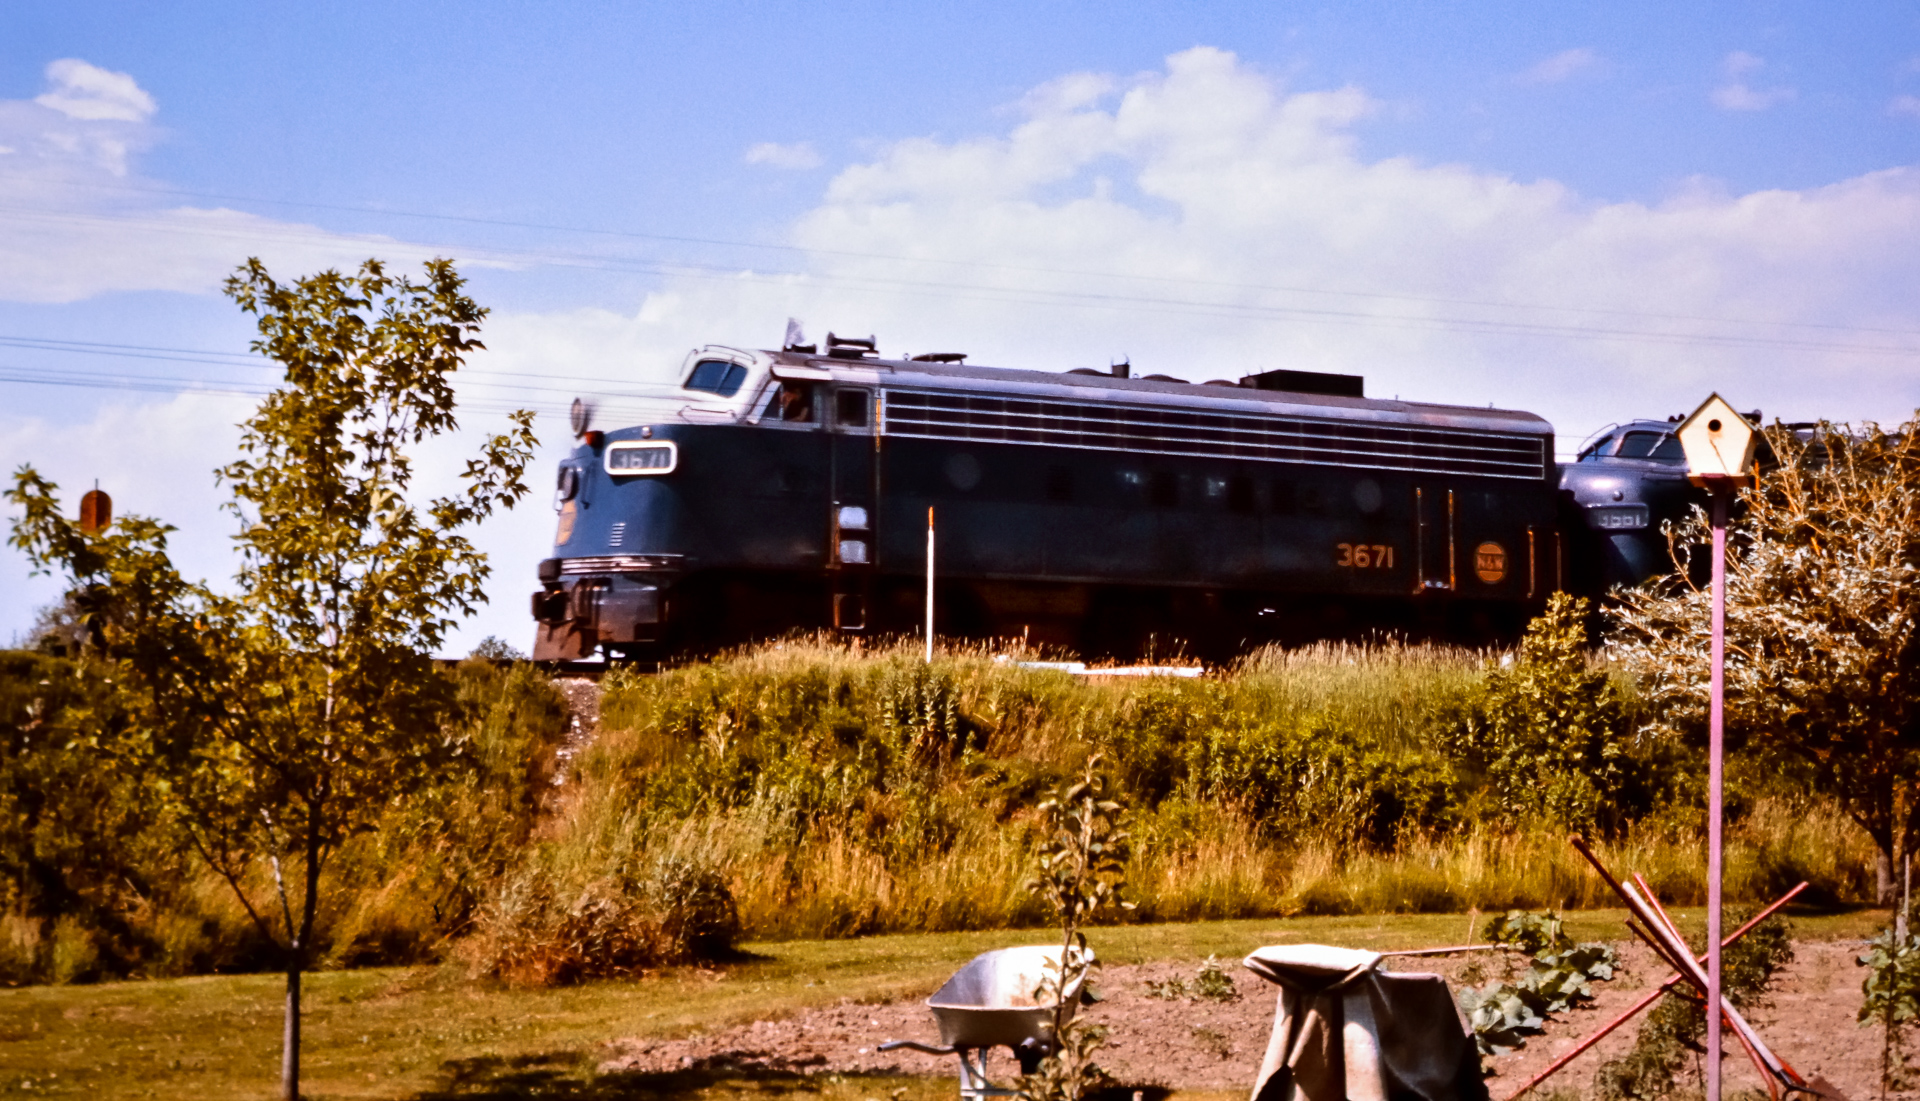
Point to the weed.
(1213, 984)
(1167, 990)
(1213, 1042)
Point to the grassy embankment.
(846, 793)
(432, 1033)
(841, 793)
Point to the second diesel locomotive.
(793, 489)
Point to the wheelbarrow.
(995, 1001)
(1344, 1030)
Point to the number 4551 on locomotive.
(1088, 510)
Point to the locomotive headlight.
(568, 486)
(651, 457)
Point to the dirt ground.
(1207, 1045)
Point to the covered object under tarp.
(1346, 1031)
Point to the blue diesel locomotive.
(793, 489)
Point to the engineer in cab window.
(793, 402)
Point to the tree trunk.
(1882, 875)
(1900, 856)
(290, 1040)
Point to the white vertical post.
(929, 584)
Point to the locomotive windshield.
(1658, 446)
(1650, 445)
(717, 376)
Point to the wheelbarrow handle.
(915, 1045)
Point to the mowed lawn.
(430, 1033)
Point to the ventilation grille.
(618, 535)
(1213, 435)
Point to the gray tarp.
(1345, 1030)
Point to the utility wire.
(979, 264)
(1045, 296)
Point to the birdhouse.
(96, 511)
(1719, 444)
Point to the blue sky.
(1591, 211)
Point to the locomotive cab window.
(651, 457)
(1598, 450)
(717, 376)
(789, 403)
(850, 409)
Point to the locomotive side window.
(850, 409)
(1164, 489)
(657, 457)
(1598, 451)
(717, 376)
(1240, 493)
(1284, 502)
(1059, 484)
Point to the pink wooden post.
(1719, 443)
(1716, 724)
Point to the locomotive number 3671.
(1363, 556)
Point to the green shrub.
(1550, 736)
(74, 957)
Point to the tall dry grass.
(846, 791)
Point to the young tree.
(287, 717)
(1823, 601)
(1080, 870)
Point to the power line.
(1061, 298)
(983, 265)
(249, 360)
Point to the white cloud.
(1210, 222)
(1738, 94)
(797, 156)
(1904, 105)
(1561, 66)
(77, 222)
(83, 91)
(1067, 93)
